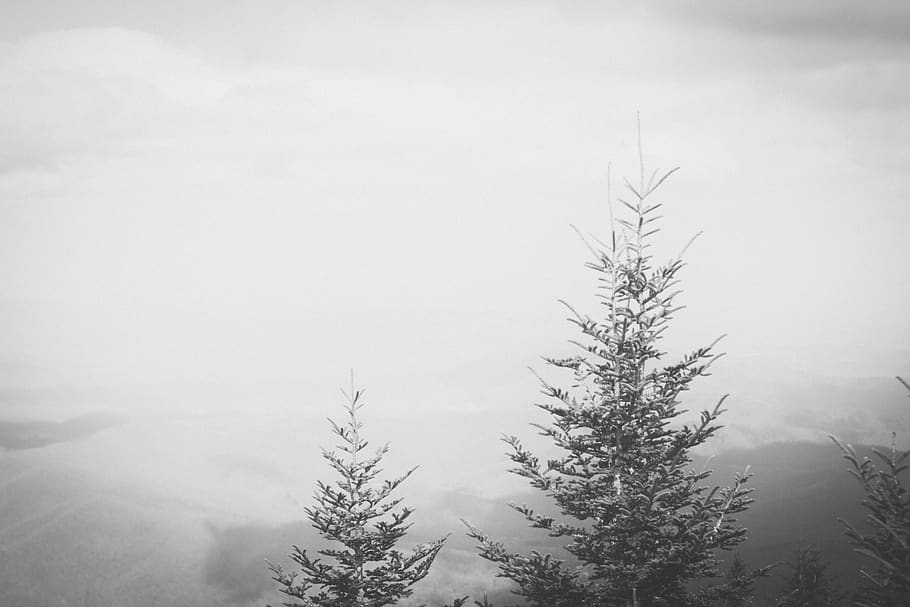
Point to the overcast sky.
(225, 193)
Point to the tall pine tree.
(639, 521)
(357, 513)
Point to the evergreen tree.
(808, 584)
(357, 512)
(640, 523)
(736, 591)
(887, 543)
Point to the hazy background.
(211, 211)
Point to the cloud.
(844, 21)
(852, 87)
(80, 92)
(33, 434)
(97, 92)
(235, 560)
(384, 192)
(115, 55)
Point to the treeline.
(641, 527)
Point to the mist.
(211, 214)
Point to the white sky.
(225, 193)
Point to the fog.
(210, 213)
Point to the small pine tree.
(887, 543)
(639, 521)
(808, 584)
(358, 513)
(737, 587)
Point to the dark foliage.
(808, 584)
(640, 522)
(358, 513)
(886, 544)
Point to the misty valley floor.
(71, 533)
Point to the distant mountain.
(74, 532)
(31, 434)
(800, 491)
(66, 539)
